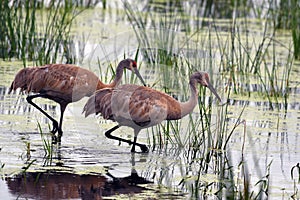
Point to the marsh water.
(87, 165)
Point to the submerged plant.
(25, 168)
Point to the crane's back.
(59, 81)
(133, 105)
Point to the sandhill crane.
(64, 83)
(141, 107)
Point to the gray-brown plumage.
(64, 84)
(142, 107)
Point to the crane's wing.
(68, 81)
(99, 102)
(148, 107)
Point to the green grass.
(237, 58)
(250, 63)
(296, 28)
(158, 42)
(47, 146)
(30, 33)
(287, 16)
(248, 60)
(244, 57)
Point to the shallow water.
(85, 153)
(88, 165)
(84, 160)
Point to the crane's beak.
(212, 89)
(136, 71)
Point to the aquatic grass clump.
(157, 35)
(47, 146)
(252, 64)
(296, 27)
(207, 167)
(28, 34)
(18, 23)
(56, 37)
(202, 143)
(287, 16)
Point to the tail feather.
(99, 102)
(11, 88)
(22, 79)
(89, 107)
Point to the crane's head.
(131, 65)
(203, 79)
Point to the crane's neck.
(118, 77)
(188, 106)
(116, 81)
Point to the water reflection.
(61, 184)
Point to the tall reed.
(157, 35)
(252, 63)
(296, 27)
(203, 138)
(27, 33)
(47, 145)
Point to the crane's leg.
(62, 110)
(143, 147)
(133, 144)
(54, 122)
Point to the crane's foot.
(143, 148)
